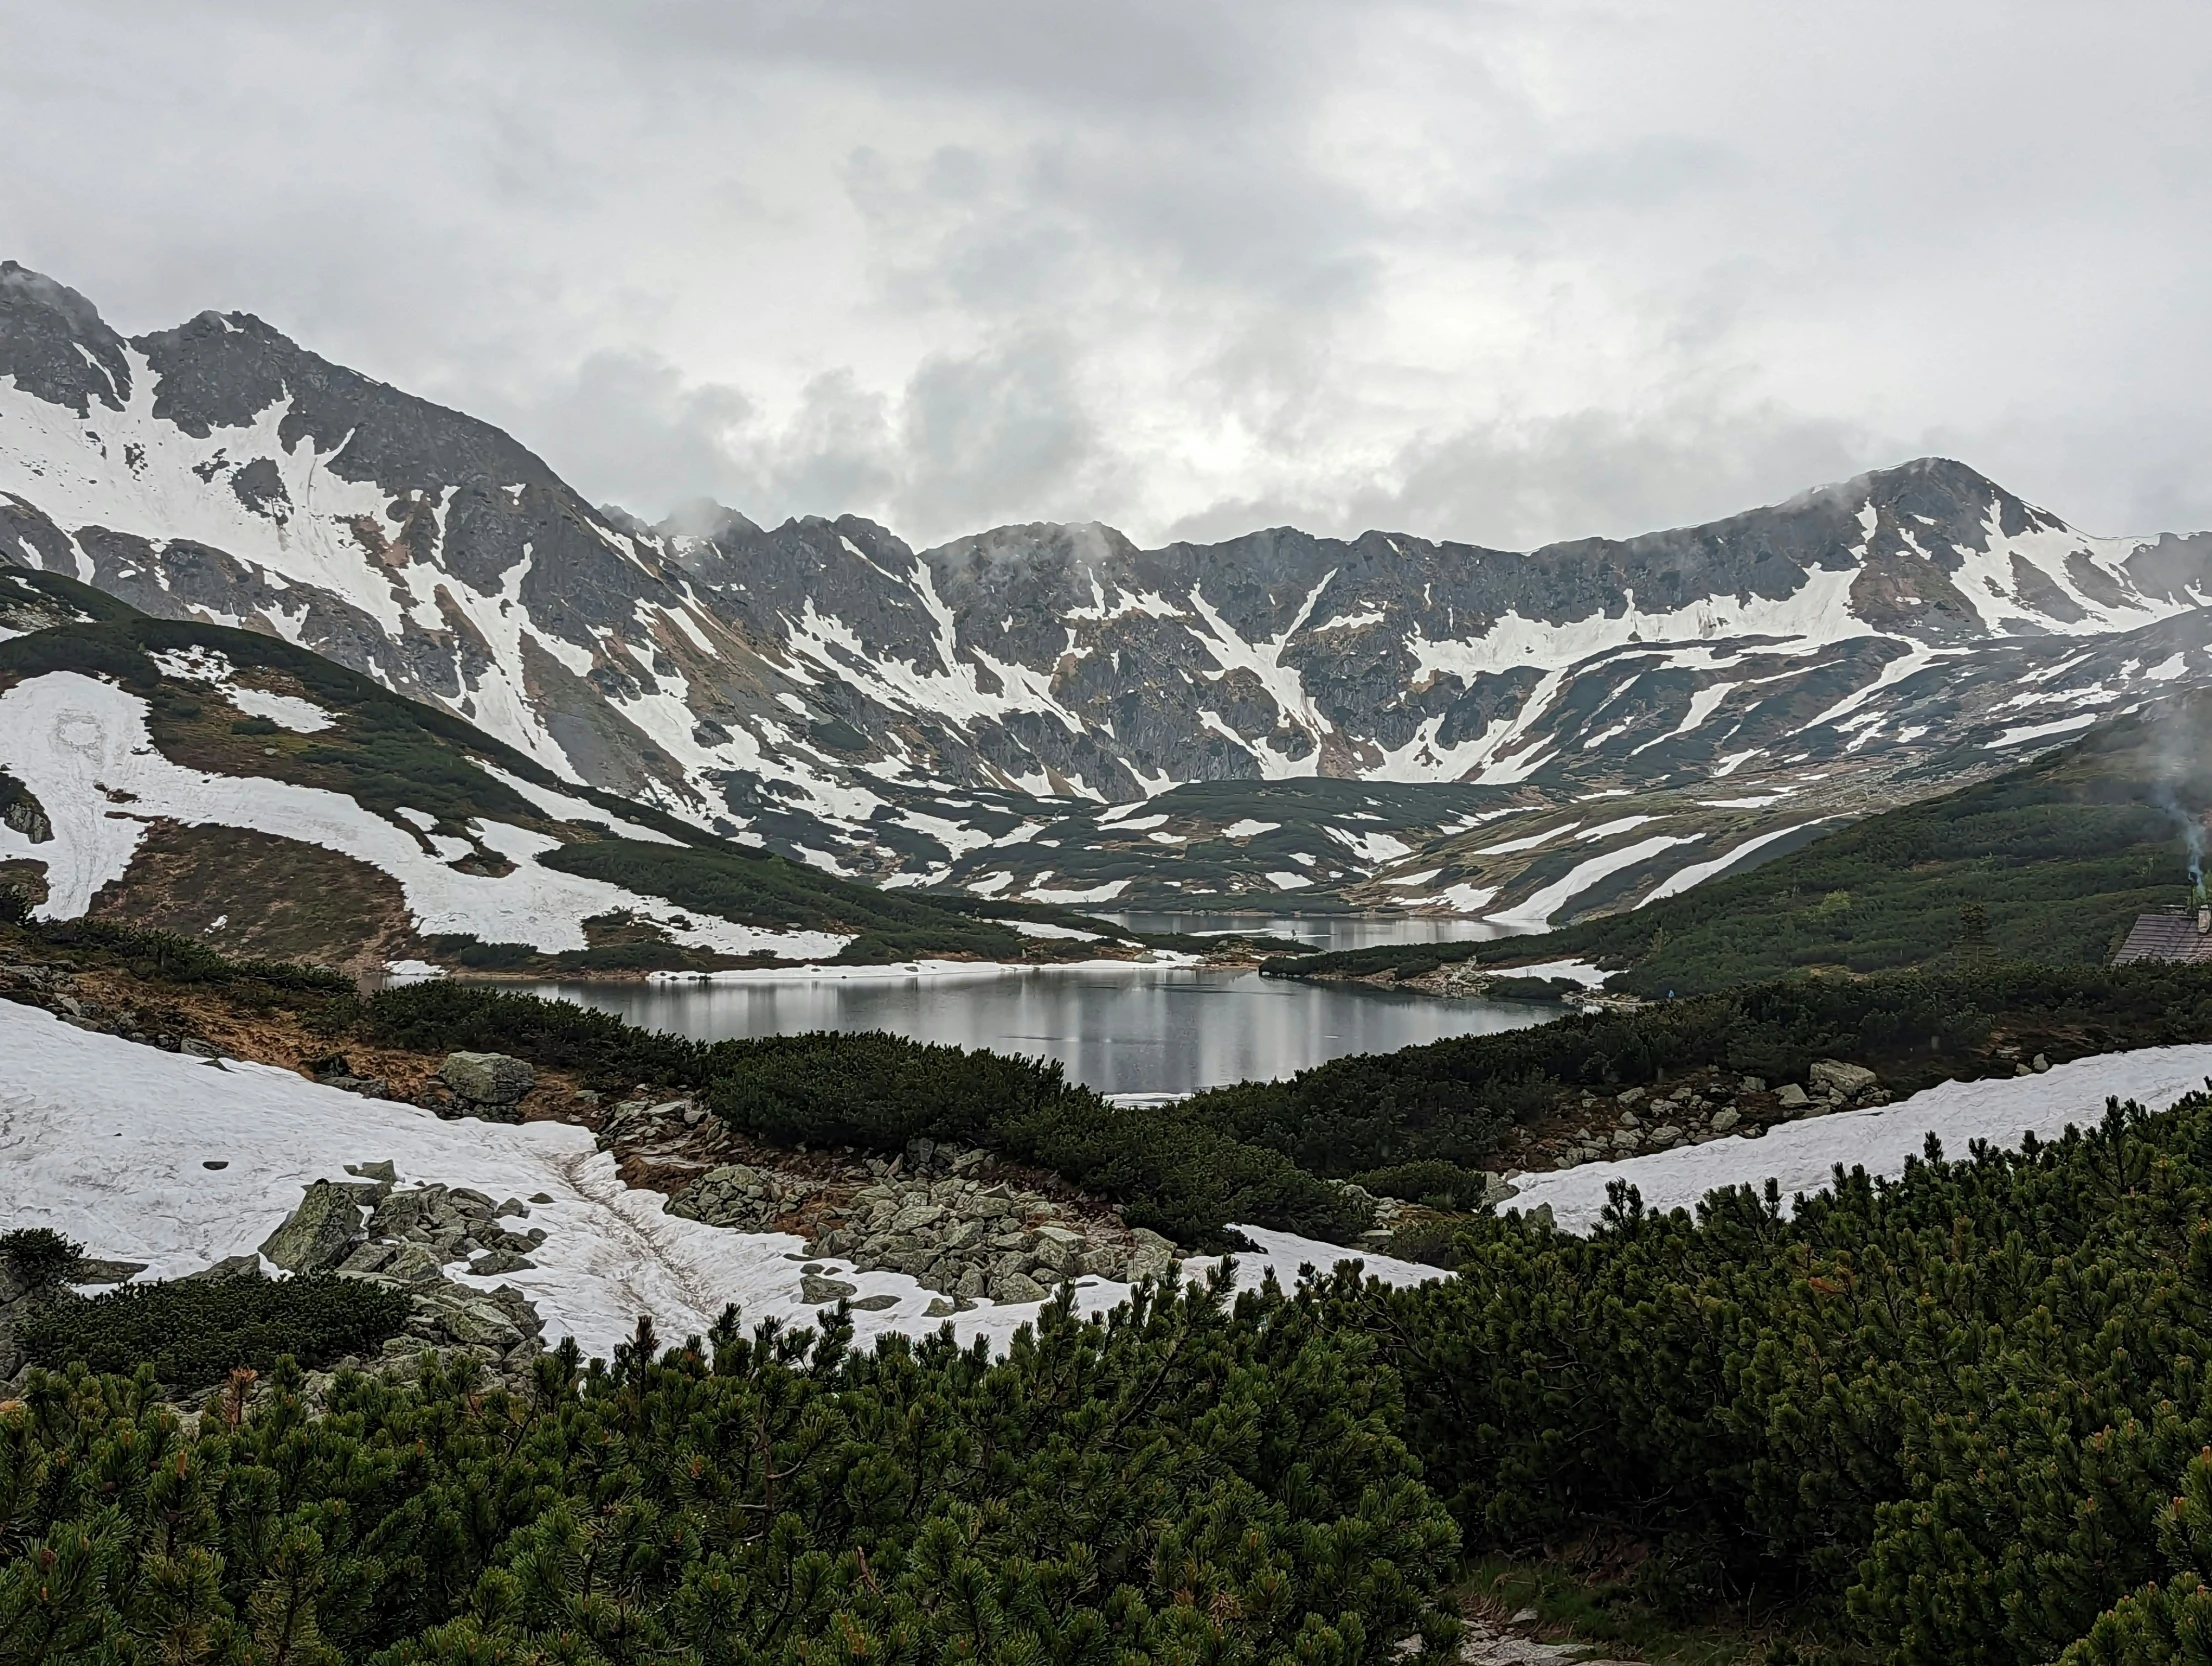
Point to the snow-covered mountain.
(931, 716)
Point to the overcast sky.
(1500, 272)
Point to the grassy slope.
(387, 751)
(2059, 855)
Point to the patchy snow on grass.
(1697, 873)
(1537, 909)
(1044, 928)
(1802, 1156)
(568, 807)
(302, 717)
(1570, 971)
(109, 1143)
(81, 746)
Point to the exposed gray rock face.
(1849, 1080)
(319, 1234)
(487, 1079)
(928, 1216)
(822, 683)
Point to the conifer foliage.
(1183, 1482)
(1966, 1413)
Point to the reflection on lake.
(1327, 932)
(1124, 1029)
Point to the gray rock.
(317, 1235)
(230, 1267)
(1725, 1119)
(820, 1292)
(369, 1258)
(1628, 1096)
(95, 1270)
(382, 1170)
(412, 1264)
(2040, 1063)
(1754, 1084)
(1015, 1287)
(499, 1261)
(487, 1078)
(1150, 1254)
(1848, 1080)
(477, 1322)
(1059, 1252)
(876, 1303)
(1792, 1097)
(939, 1308)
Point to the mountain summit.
(894, 713)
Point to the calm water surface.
(1122, 1030)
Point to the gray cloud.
(1501, 271)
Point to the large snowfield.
(109, 1143)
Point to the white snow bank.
(567, 807)
(1043, 928)
(108, 1142)
(1802, 1156)
(917, 970)
(81, 746)
(302, 717)
(1572, 971)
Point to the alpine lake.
(1131, 1030)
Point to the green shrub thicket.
(196, 1331)
(1180, 1483)
(1965, 1413)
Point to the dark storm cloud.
(1502, 272)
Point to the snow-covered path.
(177, 1162)
(1803, 1155)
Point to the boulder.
(821, 1292)
(1792, 1097)
(1150, 1254)
(1850, 1080)
(230, 1267)
(876, 1303)
(1015, 1287)
(487, 1078)
(317, 1235)
(1723, 1120)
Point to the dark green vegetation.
(37, 1257)
(196, 1332)
(1402, 1122)
(1956, 1417)
(386, 752)
(1184, 1483)
(2059, 856)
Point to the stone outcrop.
(1703, 1105)
(320, 1233)
(489, 1083)
(942, 1215)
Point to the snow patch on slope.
(1802, 1156)
(77, 744)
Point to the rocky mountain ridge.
(938, 716)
